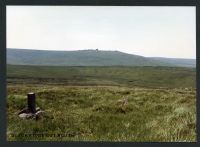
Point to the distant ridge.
(89, 57)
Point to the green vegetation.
(112, 76)
(86, 103)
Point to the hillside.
(160, 102)
(77, 58)
(177, 62)
(86, 58)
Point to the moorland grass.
(171, 77)
(82, 103)
(93, 114)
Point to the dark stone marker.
(31, 102)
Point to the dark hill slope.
(80, 58)
(178, 62)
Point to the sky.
(141, 30)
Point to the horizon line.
(97, 49)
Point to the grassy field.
(170, 77)
(82, 103)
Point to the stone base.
(26, 114)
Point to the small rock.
(26, 115)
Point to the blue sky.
(146, 31)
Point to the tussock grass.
(91, 113)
